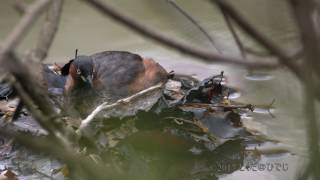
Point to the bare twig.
(257, 53)
(259, 37)
(14, 65)
(29, 83)
(48, 31)
(305, 173)
(270, 107)
(105, 106)
(43, 174)
(307, 19)
(204, 56)
(245, 49)
(43, 121)
(234, 33)
(21, 6)
(306, 13)
(296, 55)
(36, 100)
(312, 130)
(193, 21)
(81, 165)
(32, 13)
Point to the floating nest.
(189, 125)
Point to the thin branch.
(259, 37)
(234, 33)
(312, 130)
(105, 106)
(13, 39)
(16, 67)
(21, 6)
(296, 55)
(305, 173)
(247, 50)
(48, 31)
(205, 56)
(193, 21)
(35, 99)
(43, 174)
(256, 52)
(29, 82)
(269, 107)
(83, 167)
(43, 120)
(305, 13)
(307, 17)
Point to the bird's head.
(79, 72)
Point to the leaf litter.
(191, 126)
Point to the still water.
(87, 30)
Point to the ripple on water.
(258, 76)
(234, 93)
(266, 110)
(246, 116)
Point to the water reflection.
(259, 76)
(165, 159)
(156, 155)
(234, 94)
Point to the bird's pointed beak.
(87, 79)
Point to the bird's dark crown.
(83, 64)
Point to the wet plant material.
(22, 163)
(192, 131)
